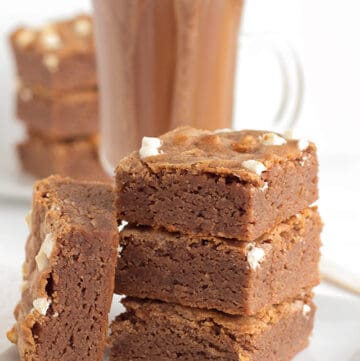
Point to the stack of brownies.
(218, 260)
(221, 252)
(57, 99)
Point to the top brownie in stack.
(232, 184)
(59, 57)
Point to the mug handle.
(292, 76)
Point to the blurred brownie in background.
(73, 158)
(57, 99)
(67, 115)
(59, 56)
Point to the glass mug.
(166, 63)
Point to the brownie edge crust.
(76, 158)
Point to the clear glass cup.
(166, 63)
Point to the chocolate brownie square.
(151, 330)
(232, 184)
(68, 273)
(216, 273)
(76, 158)
(59, 56)
(63, 116)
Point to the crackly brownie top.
(58, 38)
(245, 154)
(70, 203)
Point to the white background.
(325, 34)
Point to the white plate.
(336, 336)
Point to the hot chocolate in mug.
(166, 63)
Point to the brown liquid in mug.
(164, 63)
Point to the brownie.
(59, 56)
(76, 158)
(216, 273)
(151, 330)
(232, 184)
(63, 116)
(68, 273)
